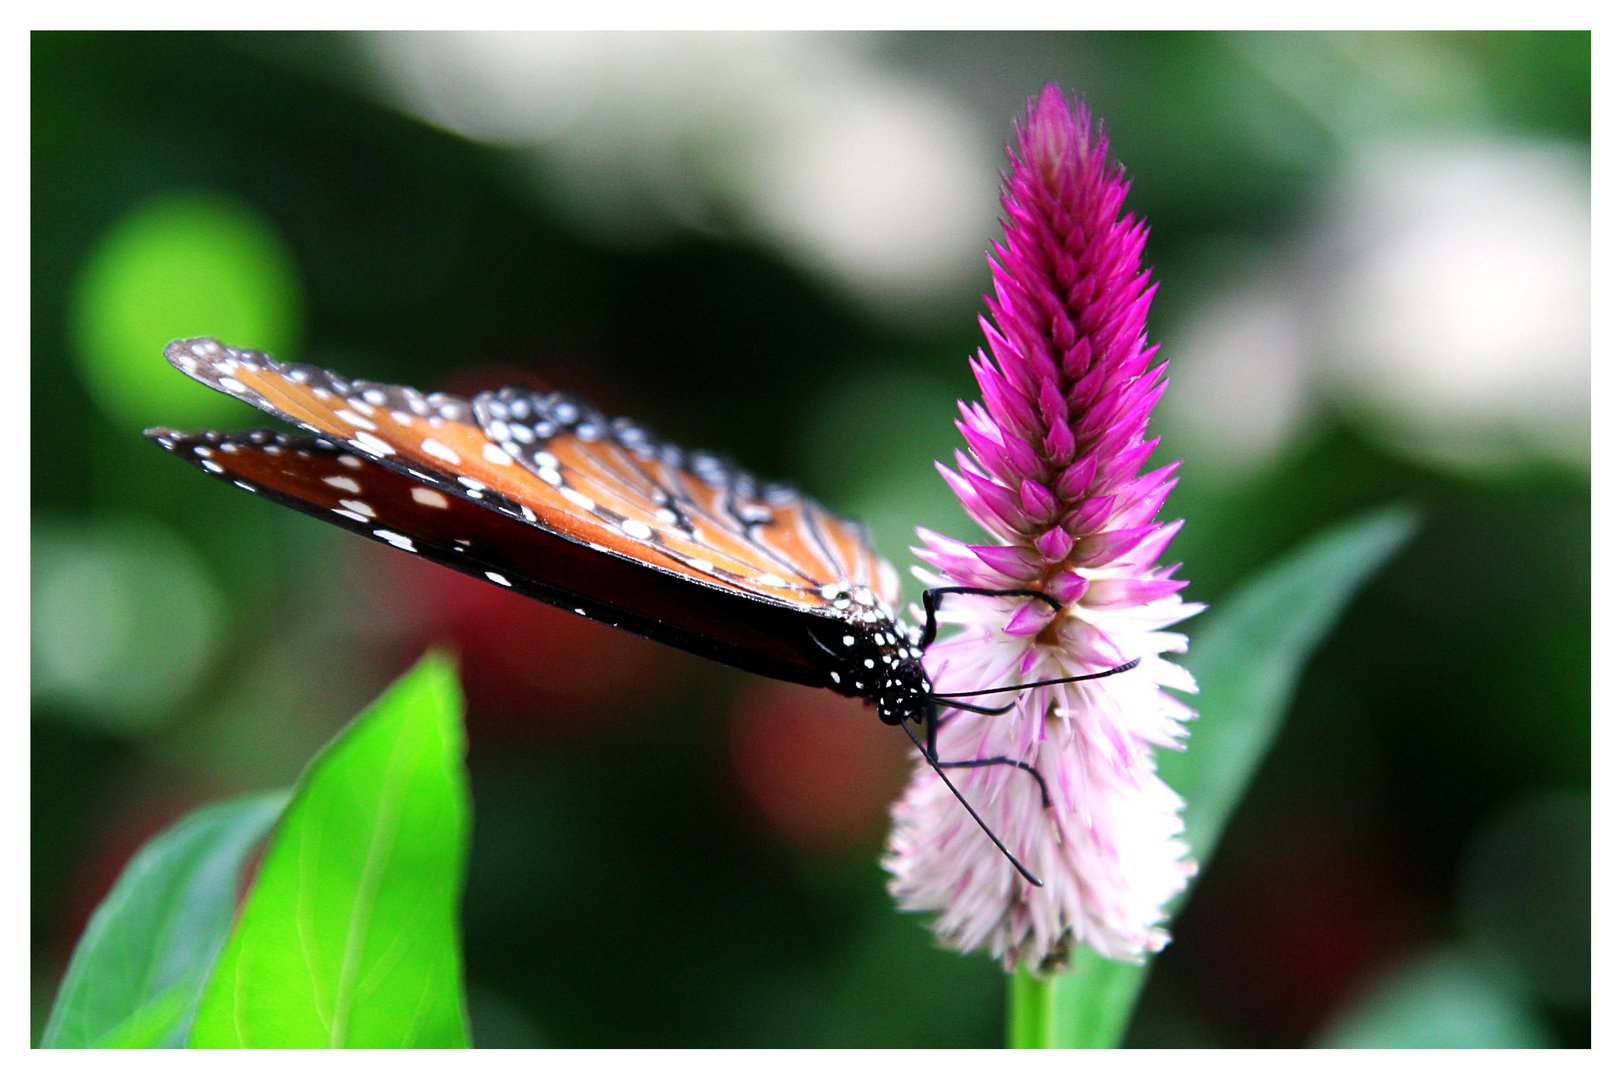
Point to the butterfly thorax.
(875, 656)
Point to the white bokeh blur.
(869, 179)
(1457, 298)
(1441, 299)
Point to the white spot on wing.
(402, 542)
(430, 497)
(634, 528)
(497, 578)
(495, 455)
(372, 444)
(441, 451)
(342, 483)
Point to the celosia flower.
(1054, 472)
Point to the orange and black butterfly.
(542, 494)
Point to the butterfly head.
(880, 661)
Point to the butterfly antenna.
(978, 820)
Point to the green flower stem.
(1032, 1018)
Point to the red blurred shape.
(1303, 926)
(526, 667)
(820, 768)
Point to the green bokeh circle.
(185, 265)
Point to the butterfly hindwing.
(429, 515)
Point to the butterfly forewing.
(605, 481)
(716, 518)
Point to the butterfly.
(542, 494)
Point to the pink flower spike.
(1054, 471)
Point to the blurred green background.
(1374, 252)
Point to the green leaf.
(1248, 655)
(349, 935)
(139, 968)
(1443, 999)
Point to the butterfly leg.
(1010, 762)
(932, 603)
(819, 643)
(927, 748)
(931, 748)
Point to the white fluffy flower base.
(1107, 847)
